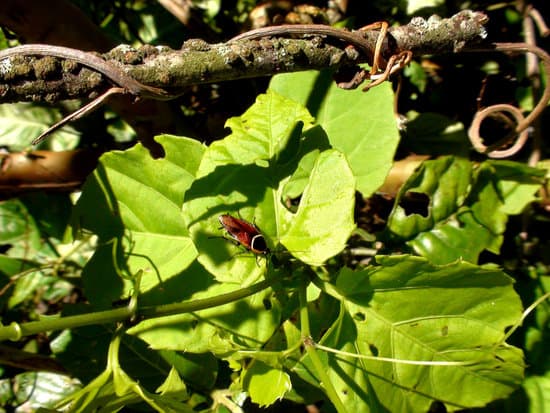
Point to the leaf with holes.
(245, 175)
(410, 310)
(360, 125)
(448, 210)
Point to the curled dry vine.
(505, 148)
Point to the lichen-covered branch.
(47, 78)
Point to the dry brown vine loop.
(395, 63)
(522, 123)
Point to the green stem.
(15, 331)
(201, 304)
(318, 365)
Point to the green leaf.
(538, 391)
(42, 389)
(324, 220)
(199, 370)
(11, 266)
(260, 134)
(14, 293)
(236, 176)
(435, 134)
(409, 309)
(25, 287)
(53, 220)
(118, 201)
(360, 125)
(518, 184)
(465, 210)
(265, 385)
(445, 181)
(254, 192)
(21, 123)
(18, 229)
(82, 351)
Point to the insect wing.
(241, 231)
(245, 233)
(237, 225)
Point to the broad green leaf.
(409, 309)
(445, 182)
(116, 387)
(11, 266)
(235, 176)
(198, 370)
(13, 293)
(23, 122)
(52, 221)
(264, 384)
(360, 125)
(25, 287)
(538, 391)
(135, 201)
(254, 191)
(82, 351)
(260, 134)
(300, 178)
(535, 328)
(324, 220)
(461, 238)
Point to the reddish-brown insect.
(245, 233)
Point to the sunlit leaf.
(120, 205)
(21, 123)
(360, 125)
(411, 310)
(264, 384)
(324, 219)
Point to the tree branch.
(28, 77)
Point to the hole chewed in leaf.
(373, 349)
(359, 316)
(415, 203)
